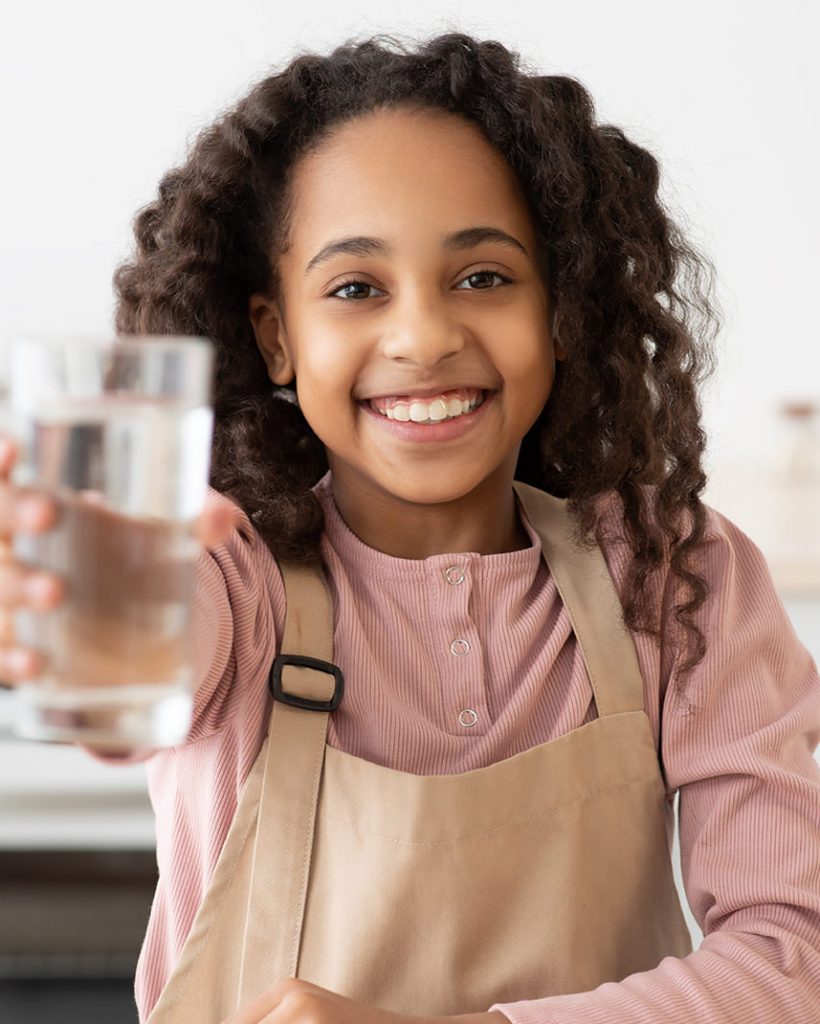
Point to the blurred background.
(100, 99)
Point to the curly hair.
(632, 297)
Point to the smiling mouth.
(447, 406)
(423, 428)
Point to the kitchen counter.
(58, 797)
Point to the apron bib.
(548, 872)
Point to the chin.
(430, 488)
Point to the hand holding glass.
(117, 432)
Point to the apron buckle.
(308, 703)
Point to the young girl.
(459, 349)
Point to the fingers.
(252, 1013)
(22, 510)
(19, 664)
(22, 587)
(8, 456)
(31, 587)
(218, 518)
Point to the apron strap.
(293, 769)
(589, 595)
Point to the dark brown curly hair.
(632, 297)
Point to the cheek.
(530, 379)
(331, 356)
(530, 362)
(324, 379)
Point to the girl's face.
(411, 268)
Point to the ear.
(271, 338)
(559, 350)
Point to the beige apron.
(545, 873)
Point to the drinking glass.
(117, 431)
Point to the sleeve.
(237, 613)
(738, 735)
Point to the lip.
(446, 430)
(427, 392)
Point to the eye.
(349, 284)
(484, 274)
(480, 274)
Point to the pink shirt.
(739, 744)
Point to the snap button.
(459, 648)
(454, 574)
(468, 717)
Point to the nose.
(421, 330)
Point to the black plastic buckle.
(275, 682)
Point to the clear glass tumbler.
(117, 430)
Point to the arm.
(738, 743)
(238, 600)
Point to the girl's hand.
(298, 1002)
(24, 510)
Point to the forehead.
(402, 173)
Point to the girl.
(473, 628)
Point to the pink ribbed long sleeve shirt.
(738, 744)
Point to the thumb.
(219, 517)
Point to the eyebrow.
(367, 245)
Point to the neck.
(485, 520)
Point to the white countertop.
(54, 796)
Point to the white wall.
(99, 98)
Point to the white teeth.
(438, 410)
(419, 412)
(429, 412)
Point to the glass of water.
(117, 431)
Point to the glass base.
(118, 718)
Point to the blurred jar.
(801, 432)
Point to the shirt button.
(459, 648)
(454, 574)
(468, 717)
